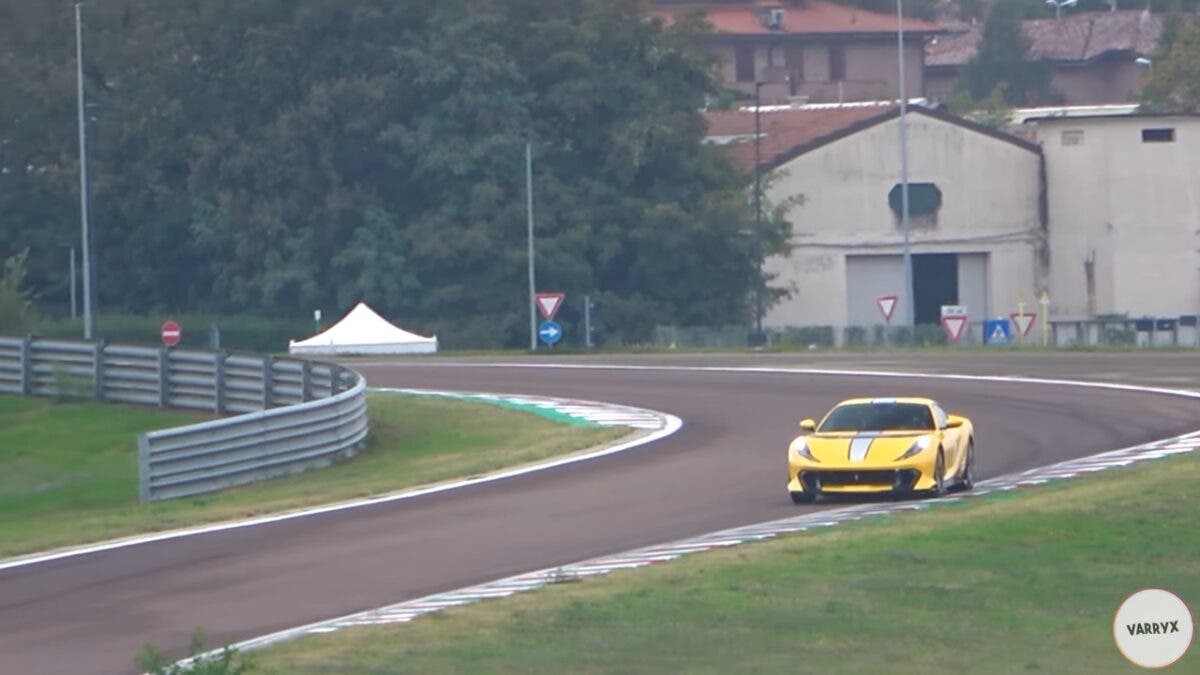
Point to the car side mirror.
(808, 425)
(954, 421)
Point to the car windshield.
(879, 417)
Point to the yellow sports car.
(871, 445)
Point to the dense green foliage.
(1002, 68)
(234, 333)
(278, 156)
(1174, 84)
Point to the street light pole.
(529, 213)
(910, 299)
(89, 319)
(758, 247)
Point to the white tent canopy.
(362, 331)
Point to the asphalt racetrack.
(725, 467)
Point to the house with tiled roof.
(809, 50)
(1093, 56)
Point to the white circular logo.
(1153, 628)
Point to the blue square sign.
(997, 331)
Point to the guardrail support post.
(268, 382)
(164, 376)
(219, 382)
(335, 380)
(143, 468)
(305, 381)
(26, 365)
(98, 369)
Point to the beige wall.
(1111, 80)
(1133, 207)
(940, 83)
(990, 192)
(871, 72)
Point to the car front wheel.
(967, 480)
(803, 497)
(939, 474)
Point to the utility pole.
(89, 318)
(529, 212)
(910, 300)
(758, 339)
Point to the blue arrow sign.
(550, 332)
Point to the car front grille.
(897, 480)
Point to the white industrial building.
(1123, 213)
(1099, 210)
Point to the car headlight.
(918, 446)
(804, 452)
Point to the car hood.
(871, 448)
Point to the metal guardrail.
(294, 414)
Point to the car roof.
(885, 400)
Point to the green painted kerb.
(547, 413)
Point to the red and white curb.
(593, 412)
(407, 611)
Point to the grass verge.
(1015, 582)
(68, 471)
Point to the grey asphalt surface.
(91, 613)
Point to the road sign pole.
(1044, 301)
(587, 321)
(74, 286)
(1021, 313)
(533, 331)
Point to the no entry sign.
(171, 333)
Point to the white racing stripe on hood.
(859, 446)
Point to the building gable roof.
(810, 17)
(788, 133)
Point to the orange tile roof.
(790, 132)
(783, 130)
(809, 18)
(1075, 37)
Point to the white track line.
(667, 424)
(658, 553)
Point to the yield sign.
(887, 305)
(548, 304)
(1023, 322)
(953, 325)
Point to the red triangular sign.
(548, 304)
(953, 325)
(887, 305)
(1023, 322)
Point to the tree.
(17, 314)
(990, 111)
(278, 156)
(1003, 61)
(1174, 84)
